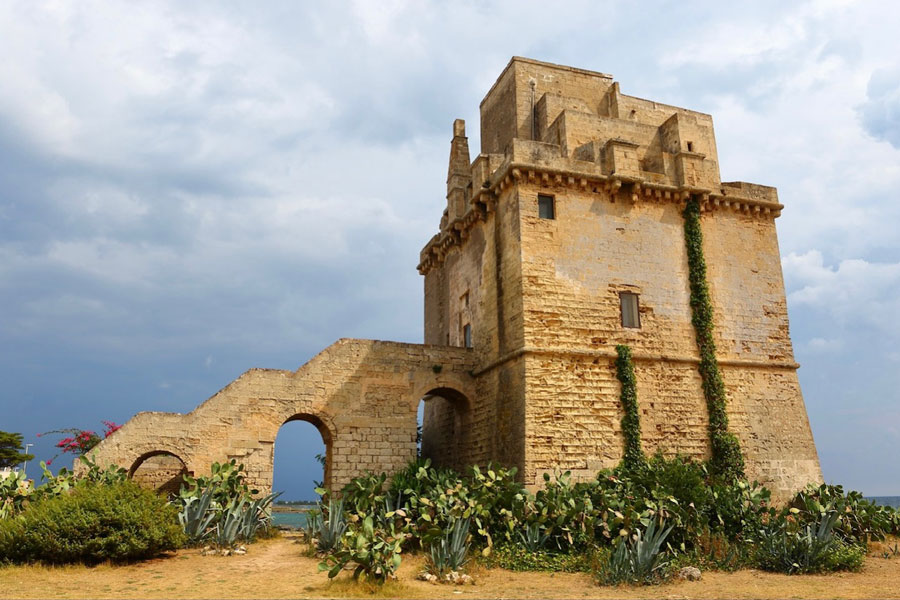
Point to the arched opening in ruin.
(442, 418)
(302, 460)
(159, 470)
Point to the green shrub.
(93, 523)
(859, 520)
(786, 546)
(375, 551)
(711, 520)
(517, 558)
(714, 552)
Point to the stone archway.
(445, 426)
(327, 439)
(159, 470)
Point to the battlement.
(571, 127)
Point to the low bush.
(710, 521)
(714, 552)
(93, 523)
(786, 546)
(518, 558)
(859, 520)
(374, 551)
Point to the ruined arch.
(445, 426)
(328, 435)
(361, 395)
(160, 470)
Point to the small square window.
(631, 316)
(546, 208)
(467, 335)
(465, 299)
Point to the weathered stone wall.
(754, 346)
(162, 472)
(361, 394)
(575, 266)
(480, 284)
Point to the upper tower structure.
(565, 237)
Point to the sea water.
(886, 500)
(294, 520)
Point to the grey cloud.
(880, 113)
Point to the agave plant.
(313, 524)
(814, 547)
(196, 516)
(449, 552)
(331, 529)
(256, 515)
(228, 526)
(637, 559)
(532, 537)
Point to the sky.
(189, 190)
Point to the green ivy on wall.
(631, 421)
(727, 461)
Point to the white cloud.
(823, 345)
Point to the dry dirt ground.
(278, 569)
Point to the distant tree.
(11, 450)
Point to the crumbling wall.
(361, 394)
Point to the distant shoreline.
(292, 508)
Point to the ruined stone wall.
(163, 473)
(361, 394)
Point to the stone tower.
(565, 237)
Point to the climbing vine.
(631, 421)
(727, 460)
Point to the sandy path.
(278, 569)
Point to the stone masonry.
(362, 395)
(537, 299)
